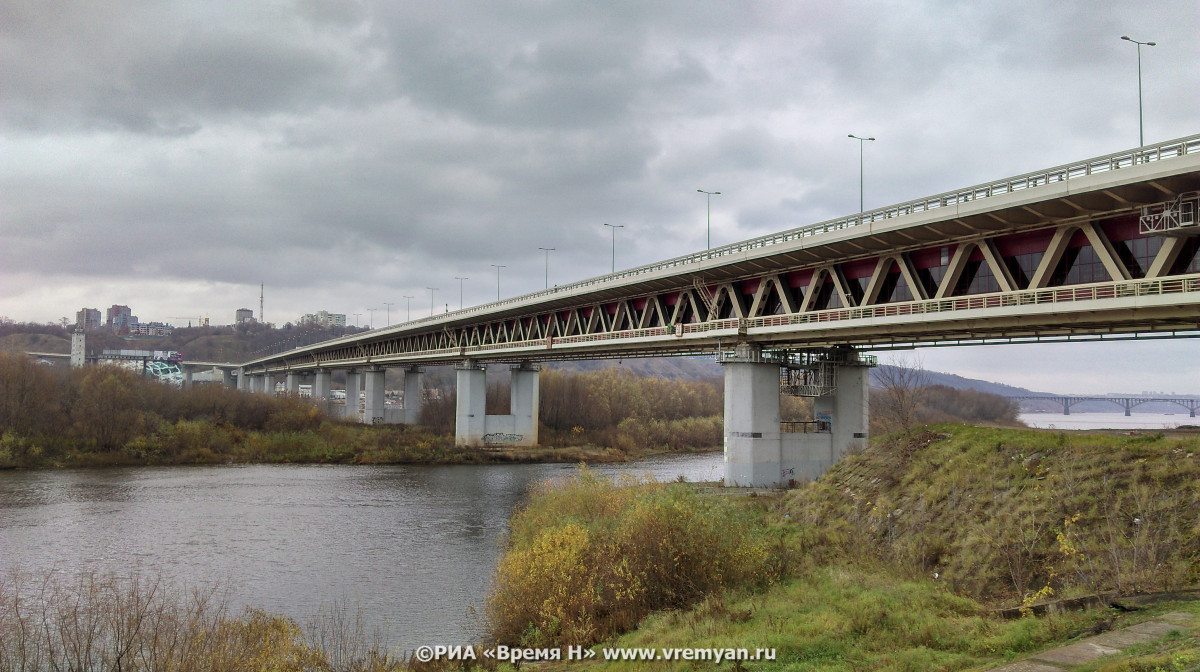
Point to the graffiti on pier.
(498, 438)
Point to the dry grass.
(1012, 515)
(139, 624)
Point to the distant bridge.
(1128, 403)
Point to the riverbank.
(203, 443)
(903, 556)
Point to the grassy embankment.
(896, 559)
(95, 416)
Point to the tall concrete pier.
(474, 427)
(758, 450)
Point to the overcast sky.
(172, 155)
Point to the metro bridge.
(1096, 249)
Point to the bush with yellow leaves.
(588, 558)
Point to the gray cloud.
(350, 153)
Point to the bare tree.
(904, 382)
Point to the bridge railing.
(1090, 292)
(1063, 173)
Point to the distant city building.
(119, 317)
(323, 318)
(150, 329)
(244, 315)
(88, 319)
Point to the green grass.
(900, 557)
(845, 618)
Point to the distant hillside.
(21, 343)
(670, 368)
(959, 383)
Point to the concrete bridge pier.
(227, 377)
(753, 445)
(473, 427)
(848, 412)
(243, 381)
(187, 376)
(414, 385)
(353, 387)
(321, 384)
(292, 385)
(374, 412)
(470, 405)
(757, 452)
(1066, 406)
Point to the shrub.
(588, 558)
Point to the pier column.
(848, 410)
(753, 446)
(524, 400)
(373, 413)
(321, 384)
(353, 386)
(1066, 406)
(187, 376)
(472, 425)
(470, 419)
(227, 377)
(414, 388)
(243, 380)
(293, 383)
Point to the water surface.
(414, 546)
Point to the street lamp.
(372, 312)
(547, 250)
(389, 312)
(1141, 137)
(431, 291)
(708, 197)
(460, 293)
(407, 306)
(356, 316)
(498, 267)
(860, 174)
(614, 228)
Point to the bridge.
(1097, 249)
(1127, 403)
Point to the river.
(412, 546)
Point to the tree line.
(47, 411)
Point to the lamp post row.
(708, 203)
